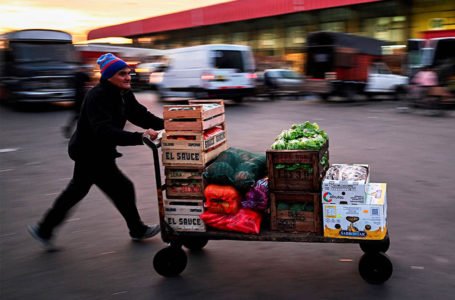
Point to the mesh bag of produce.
(223, 199)
(258, 196)
(245, 221)
(236, 167)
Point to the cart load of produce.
(238, 168)
(304, 136)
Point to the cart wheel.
(375, 246)
(195, 243)
(375, 268)
(170, 261)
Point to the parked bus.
(38, 65)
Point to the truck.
(209, 71)
(346, 65)
(38, 65)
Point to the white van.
(209, 71)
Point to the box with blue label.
(366, 221)
(345, 184)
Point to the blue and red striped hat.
(110, 64)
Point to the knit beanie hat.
(110, 64)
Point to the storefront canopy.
(217, 14)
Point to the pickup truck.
(346, 65)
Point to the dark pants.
(107, 176)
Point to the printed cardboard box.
(344, 191)
(358, 221)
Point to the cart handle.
(154, 145)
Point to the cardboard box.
(358, 221)
(344, 191)
(183, 215)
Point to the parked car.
(279, 82)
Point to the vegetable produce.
(304, 136)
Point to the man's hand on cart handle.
(152, 134)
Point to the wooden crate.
(195, 116)
(184, 188)
(191, 157)
(183, 215)
(192, 139)
(300, 179)
(289, 220)
(183, 173)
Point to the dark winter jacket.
(102, 119)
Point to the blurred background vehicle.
(133, 56)
(279, 82)
(148, 75)
(209, 71)
(347, 65)
(37, 65)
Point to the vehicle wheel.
(401, 94)
(375, 246)
(195, 244)
(237, 99)
(170, 261)
(324, 97)
(200, 95)
(375, 268)
(350, 94)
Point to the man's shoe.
(45, 243)
(151, 231)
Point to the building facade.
(277, 29)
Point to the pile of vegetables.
(304, 136)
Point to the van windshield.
(38, 52)
(229, 59)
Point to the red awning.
(431, 34)
(217, 14)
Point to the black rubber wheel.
(401, 94)
(375, 268)
(170, 261)
(375, 246)
(195, 244)
(324, 97)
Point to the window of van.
(229, 59)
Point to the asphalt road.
(413, 153)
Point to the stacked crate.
(195, 134)
(295, 195)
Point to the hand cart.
(374, 266)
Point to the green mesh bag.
(237, 167)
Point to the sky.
(80, 16)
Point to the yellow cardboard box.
(358, 221)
